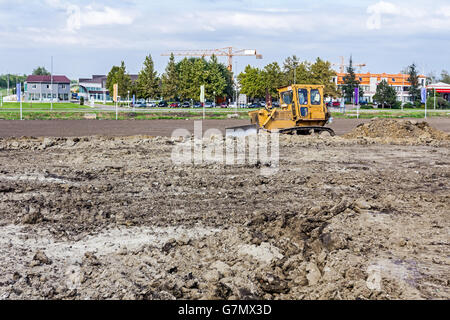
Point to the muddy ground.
(78, 128)
(350, 217)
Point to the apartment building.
(369, 82)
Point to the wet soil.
(114, 218)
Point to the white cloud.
(444, 11)
(78, 17)
(254, 22)
(406, 16)
(383, 7)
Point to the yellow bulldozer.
(302, 110)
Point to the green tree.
(445, 77)
(41, 71)
(12, 78)
(170, 80)
(200, 77)
(350, 83)
(386, 95)
(322, 73)
(228, 75)
(119, 75)
(303, 73)
(272, 79)
(216, 82)
(290, 66)
(431, 77)
(194, 72)
(147, 84)
(185, 69)
(437, 101)
(111, 79)
(252, 82)
(413, 79)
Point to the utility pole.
(237, 87)
(51, 86)
(295, 72)
(434, 98)
(403, 85)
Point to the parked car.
(363, 103)
(224, 105)
(163, 104)
(152, 104)
(175, 105)
(275, 104)
(336, 103)
(197, 105)
(185, 104)
(329, 104)
(140, 104)
(255, 105)
(209, 105)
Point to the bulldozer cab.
(305, 102)
(301, 109)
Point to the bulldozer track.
(307, 130)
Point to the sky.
(90, 36)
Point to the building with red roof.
(47, 88)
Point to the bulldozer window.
(287, 97)
(315, 97)
(303, 96)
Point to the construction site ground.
(364, 215)
(78, 128)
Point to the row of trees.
(13, 78)
(254, 81)
(444, 77)
(180, 81)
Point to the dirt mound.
(397, 129)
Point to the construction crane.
(342, 65)
(229, 52)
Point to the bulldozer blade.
(241, 131)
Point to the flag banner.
(116, 92)
(202, 94)
(19, 93)
(356, 95)
(424, 95)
